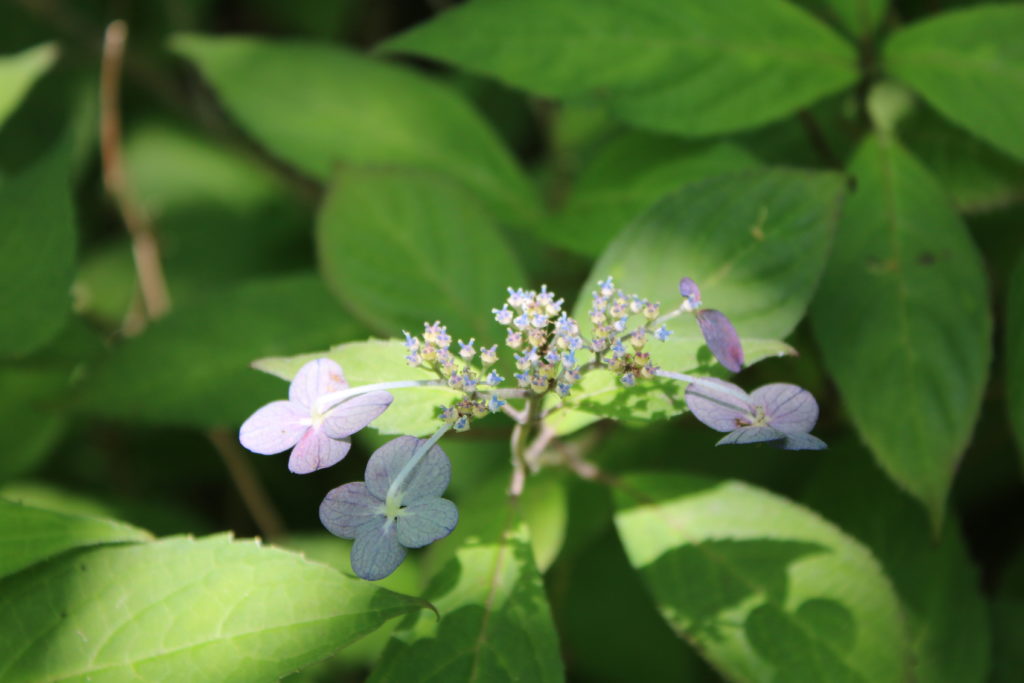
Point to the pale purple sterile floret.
(780, 413)
(383, 526)
(318, 435)
(691, 294)
(721, 338)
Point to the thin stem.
(330, 401)
(417, 455)
(536, 449)
(520, 438)
(145, 249)
(725, 388)
(254, 496)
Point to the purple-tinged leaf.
(722, 410)
(376, 551)
(691, 294)
(355, 413)
(274, 428)
(787, 407)
(426, 521)
(721, 338)
(314, 379)
(752, 435)
(315, 451)
(345, 509)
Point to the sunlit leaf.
(765, 588)
(19, 71)
(183, 609)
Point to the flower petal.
(789, 408)
(355, 413)
(690, 292)
(802, 442)
(752, 435)
(428, 479)
(376, 552)
(722, 410)
(426, 521)
(315, 451)
(721, 338)
(314, 379)
(346, 508)
(273, 428)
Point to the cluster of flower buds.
(622, 349)
(544, 340)
(468, 371)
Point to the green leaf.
(495, 621)
(19, 71)
(1015, 354)
(968, 64)
(29, 535)
(401, 247)
(37, 254)
(28, 420)
(183, 609)
(977, 177)
(192, 368)
(690, 67)
(601, 394)
(764, 588)
(903, 323)
(413, 411)
(755, 242)
(1008, 625)
(346, 108)
(626, 176)
(859, 18)
(936, 580)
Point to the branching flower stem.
(521, 434)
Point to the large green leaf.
(414, 410)
(903, 323)
(182, 609)
(399, 248)
(19, 71)
(755, 242)
(1015, 354)
(969, 64)
(936, 580)
(765, 588)
(691, 67)
(495, 620)
(626, 176)
(192, 368)
(316, 105)
(37, 253)
(29, 535)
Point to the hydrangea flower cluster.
(399, 505)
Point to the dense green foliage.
(844, 179)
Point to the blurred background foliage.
(451, 186)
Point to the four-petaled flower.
(781, 414)
(394, 509)
(318, 433)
